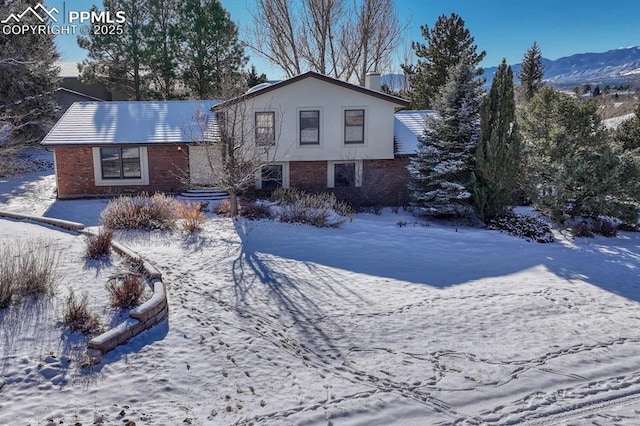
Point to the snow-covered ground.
(613, 123)
(368, 324)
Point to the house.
(125, 147)
(71, 89)
(321, 134)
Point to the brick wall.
(384, 182)
(309, 176)
(168, 172)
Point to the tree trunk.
(233, 204)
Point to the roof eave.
(311, 74)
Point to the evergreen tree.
(28, 78)
(572, 167)
(447, 43)
(162, 33)
(628, 133)
(442, 168)
(253, 79)
(531, 73)
(212, 56)
(499, 148)
(118, 60)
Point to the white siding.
(331, 100)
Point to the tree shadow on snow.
(442, 256)
(293, 297)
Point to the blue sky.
(504, 28)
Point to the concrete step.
(205, 194)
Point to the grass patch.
(98, 246)
(125, 291)
(77, 316)
(27, 268)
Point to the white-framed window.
(120, 165)
(344, 174)
(272, 176)
(354, 126)
(309, 125)
(265, 127)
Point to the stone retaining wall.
(150, 313)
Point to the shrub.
(7, 282)
(527, 227)
(27, 269)
(255, 211)
(191, 215)
(125, 291)
(587, 227)
(141, 212)
(581, 229)
(98, 246)
(77, 316)
(249, 209)
(321, 209)
(224, 208)
(605, 226)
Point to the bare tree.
(378, 35)
(231, 149)
(276, 36)
(334, 37)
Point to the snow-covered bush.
(581, 229)
(606, 226)
(98, 246)
(141, 212)
(191, 216)
(587, 227)
(322, 210)
(253, 210)
(125, 291)
(77, 315)
(527, 227)
(27, 269)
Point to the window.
(354, 126)
(272, 176)
(120, 163)
(120, 166)
(309, 127)
(344, 174)
(265, 128)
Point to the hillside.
(614, 67)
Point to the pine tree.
(628, 133)
(447, 43)
(573, 169)
(531, 73)
(28, 78)
(253, 79)
(212, 56)
(118, 60)
(162, 33)
(499, 148)
(442, 168)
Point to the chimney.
(372, 81)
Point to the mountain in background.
(614, 67)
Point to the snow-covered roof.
(407, 126)
(129, 122)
